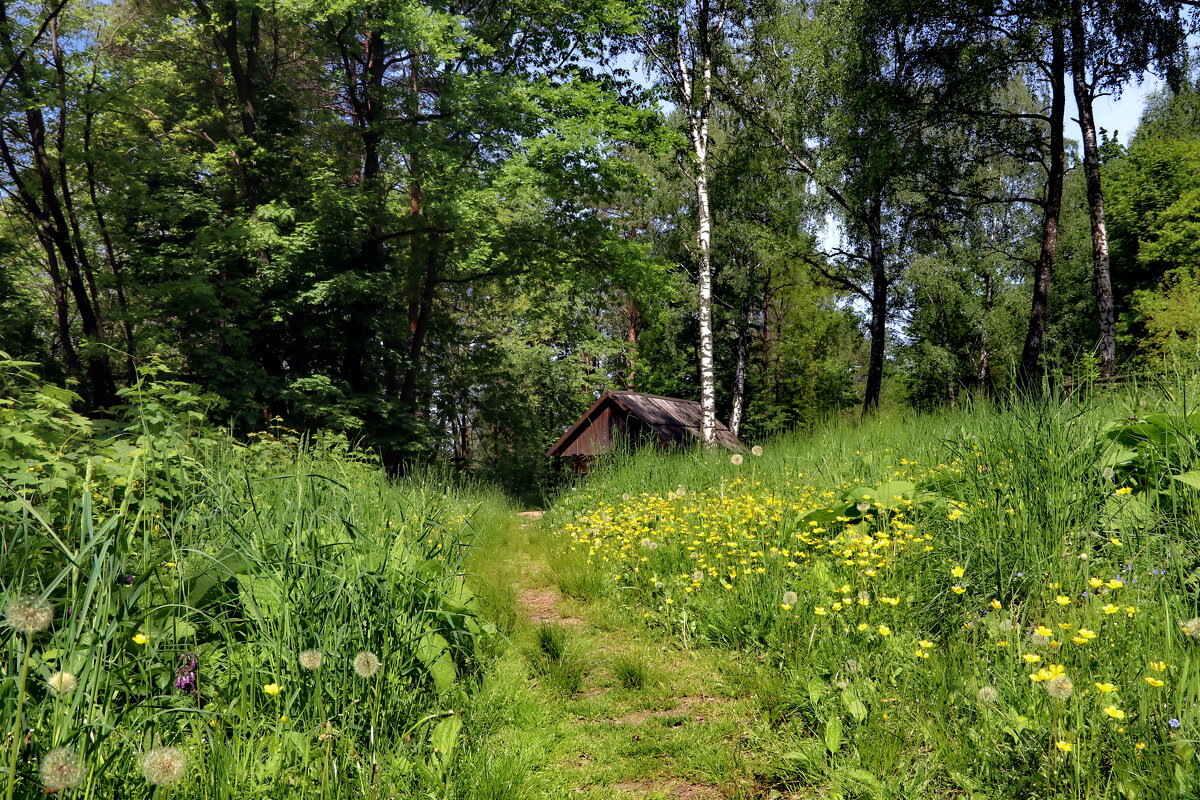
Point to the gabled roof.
(675, 421)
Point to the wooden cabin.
(636, 419)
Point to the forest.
(443, 229)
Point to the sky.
(1117, 114)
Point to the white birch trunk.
(697, 104)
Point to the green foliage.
(188, 574)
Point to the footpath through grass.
(584, 698)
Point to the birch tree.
(679, 42)
(1110, 44)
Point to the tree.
(38, 122)
(679, 40)
(1111, 43)
(855, 94)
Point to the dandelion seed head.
(164, 765)
(790, 598)
(1039, 639)
(756, 451)
(1192, 627)
(28, 615)
(736, 459)
(698, 575)
(987, 694)
(851, 665)
(61, 769)
(62, 683)
(366, 664)
(1060, 687)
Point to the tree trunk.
(631, 339)
(54, 232)
(708, 394)
(983, 375)
(879, 305)
(1084, 95)
(741, 352)
(698, 100)
(1030, 372)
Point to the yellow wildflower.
(1112, 712)
(1107, 688)
(272, 688)
(1062, 600)
(958, 572)
(1155, 682)
(140, 638)
(1066, 747)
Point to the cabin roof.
(675, 421)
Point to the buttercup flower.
(272, 688)
(1066, 747)
(1112, 712)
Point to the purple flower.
(186, 676)
(128, 580)
(1174, 723)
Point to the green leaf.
(445, 736)
(833, 734)
(1191, 478)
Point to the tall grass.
(945, 601)
(186, 584)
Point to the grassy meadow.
(191, 616)
(999, 602)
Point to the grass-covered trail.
(586, 700)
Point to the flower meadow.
(1001, 604)
(186, 615)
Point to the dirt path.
(623, 713)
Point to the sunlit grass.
(1003, 593)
